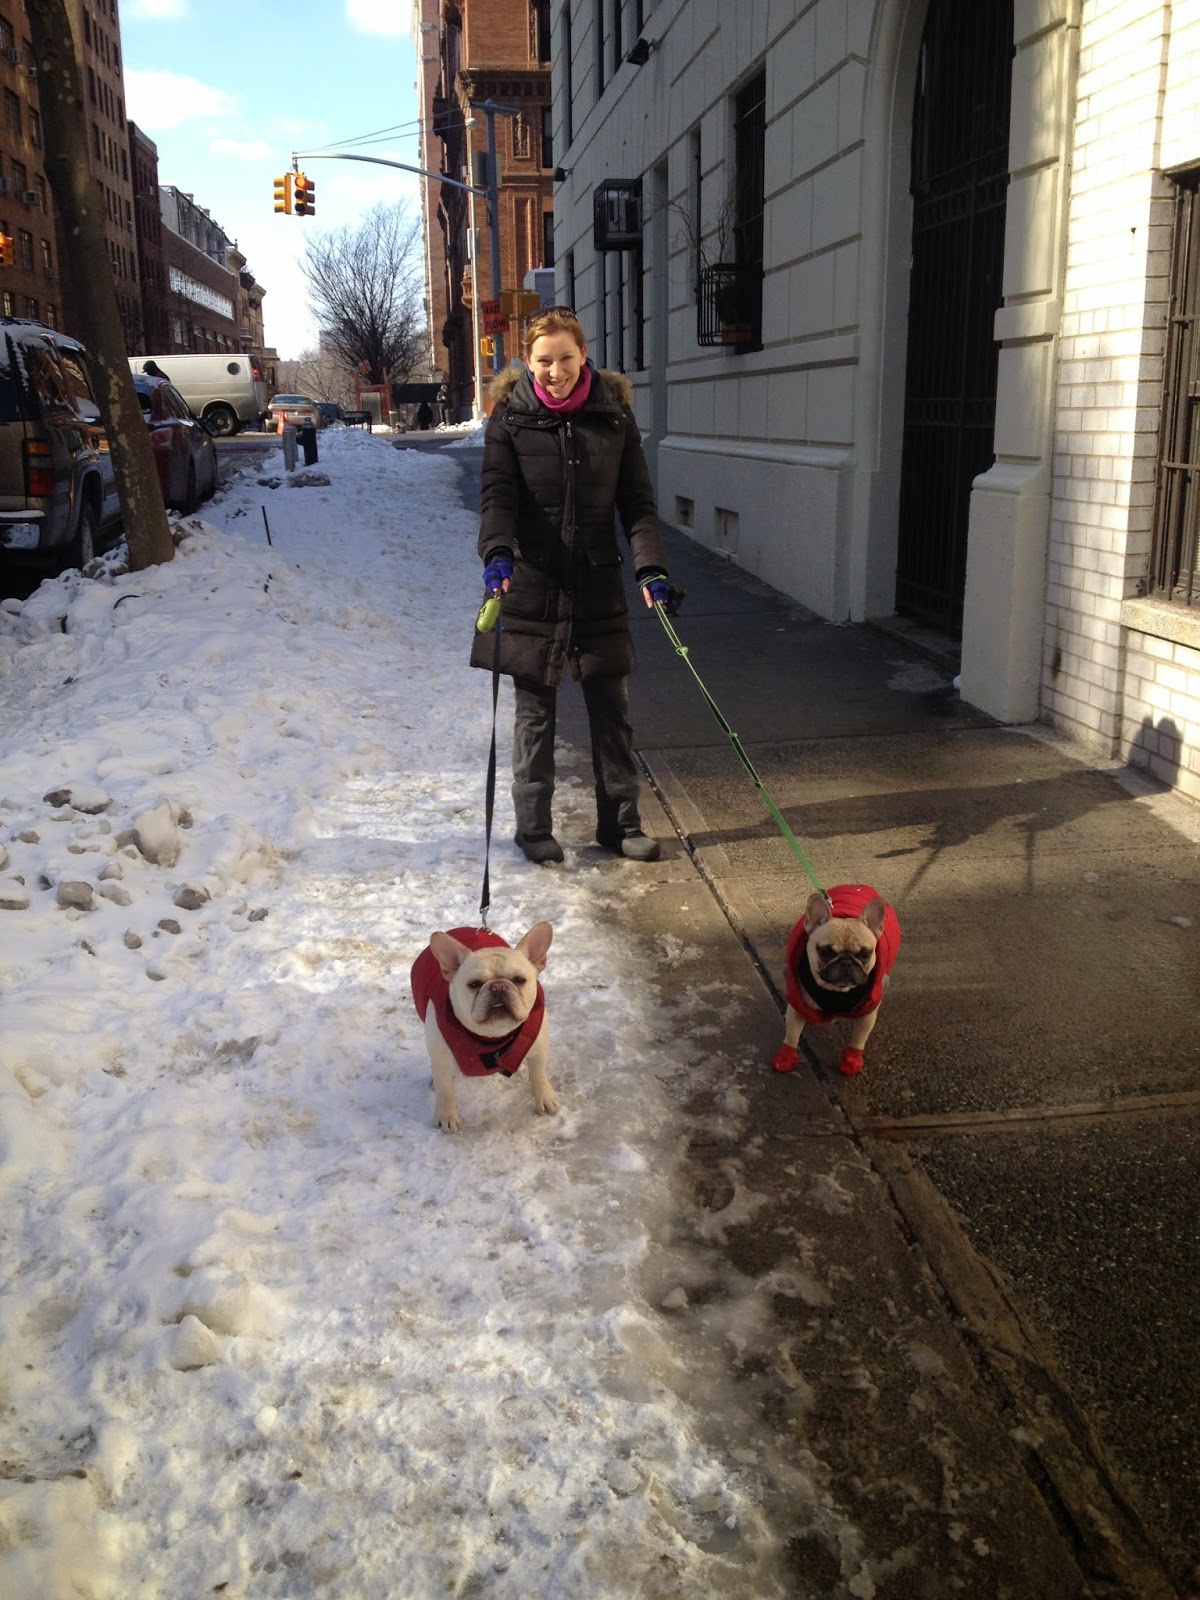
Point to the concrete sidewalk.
(996, 1314)
(1031, 1098)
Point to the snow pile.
(266, 1331)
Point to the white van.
(229, 391)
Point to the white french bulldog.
(484, 1012)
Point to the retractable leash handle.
(682, 650)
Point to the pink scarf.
(572, 402)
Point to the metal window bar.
(1175, 550)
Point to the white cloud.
(244, 149)
(168, 99)
(379, 16)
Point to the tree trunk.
(80, 201)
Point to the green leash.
(682, 650)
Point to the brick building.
(97, 31)
(148, 232)
(470, 52)
(32, 286)
(202, 291)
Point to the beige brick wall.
(1161, 724)
(1109, 358)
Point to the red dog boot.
(850, 1062)
(785, 1058)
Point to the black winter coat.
(551, 485)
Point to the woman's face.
(556, 362)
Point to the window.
(35, 128)
(547, 238)
(51, 314)
(547, 136)
(91, 86)
(25, 249)
(600, 14)
(1175, 548)
(20, 177)
(6, 300)
(729, 305)
(616, 34)
(6, 34)
(39, 184)
(539, 28)
(12, 112)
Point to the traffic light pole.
(491, 194)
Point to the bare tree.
(321, 373)
(366, 286)
(80, 201)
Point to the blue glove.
(656, 584)
(498, 571)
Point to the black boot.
(540, 848)
(631, 843)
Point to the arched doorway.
(959, 187)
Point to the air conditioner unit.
(29, 196)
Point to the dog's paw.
(448, 1121)
(850, 1062)
(547, 1102)
(785, 1058)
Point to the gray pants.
(613, 764)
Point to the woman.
(561, 454)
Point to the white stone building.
(949, 371)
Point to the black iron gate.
(959, 188)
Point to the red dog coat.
(477, 1056)
(848, 900)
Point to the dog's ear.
(816, 912)
(448, 953)
(535, 944)
(873, 914)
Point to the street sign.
(493, 317)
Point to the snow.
(266, 1331)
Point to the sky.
(265, 1330)
(228, 89)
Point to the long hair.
(555, 319)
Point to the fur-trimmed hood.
(502, 384)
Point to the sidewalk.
(1009, 1194)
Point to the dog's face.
(841, 950)
(492, 991)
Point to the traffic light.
(305, 191)
(283, 194)
(6, 250)
(487, 346)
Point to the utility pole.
(491, 111)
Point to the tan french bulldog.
(838, 959)
(484, 1012)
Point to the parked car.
(229, 391)
(329, 411)
(183, 446)
(58, 497)
(293, 409)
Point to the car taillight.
(39, 470)
(160, 439)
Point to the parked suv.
(58, 498)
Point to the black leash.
(489, 794)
